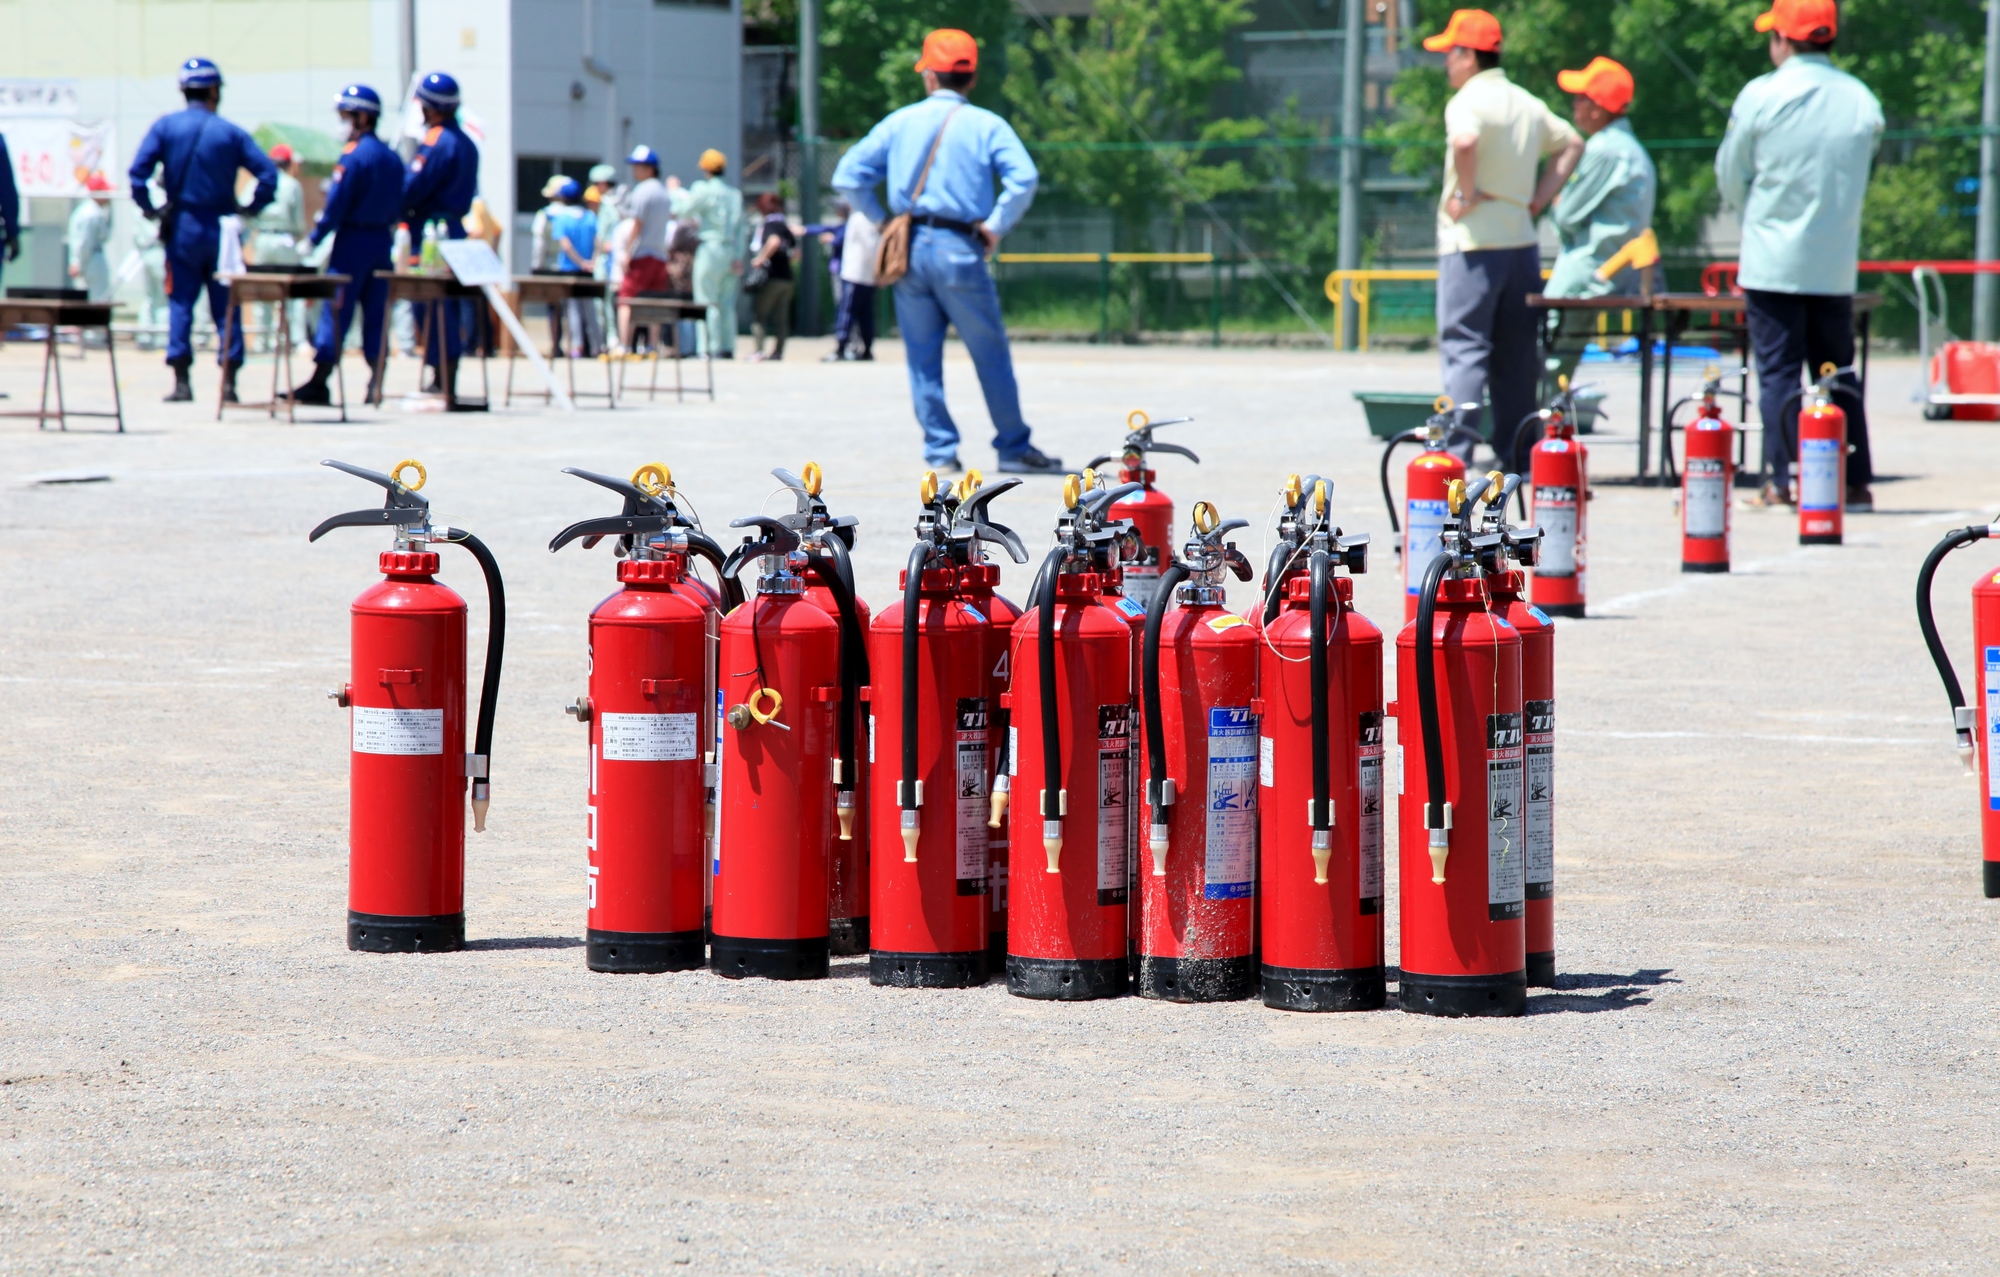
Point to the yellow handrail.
(1355, 283)
(1092, 259)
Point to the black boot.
(183, 391)
(229, 382)
(314, 391)
(374, 396)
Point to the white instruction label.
(398, 731)
(871, 739)
(1230, 868)
(1371, 811)
(1819, 474)
(651, 738)
(1423, 539)
(970, 827)
(1013, 750)
(1142, 580)
(1705, 498)
(1555, 514)
(1267, 762)
(1538, 813)
(1114, 764)
(1503, 817)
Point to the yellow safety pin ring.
(1137, 418)
(1072, 491)
(1496, 483)
(1441, 404)
(813, 478)
(1205, 517)
(777, 703)
(1291, 490)
(1319, 498)
(418, 466)
(652, 479)
(1454, 495)
(972, 480)
(927, 490)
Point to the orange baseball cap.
(949, 50)
(1812, 21)
(1604, 82)
(1470, 29)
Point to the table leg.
(281, 356)
(48, 360)
(117, 397)
(1645, 386)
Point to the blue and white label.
(1230, 866)
(1991, 683)
(974, 612)
(1131, 607)
(1423, 540)
(1819, 474)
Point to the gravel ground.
(1771, 1048)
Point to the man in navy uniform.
(443, 178)
(198, 153)
(364, 201)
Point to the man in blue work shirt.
(198, 153)
(1795, 161)
(443, 178)
(10, 205)
(956, 224)
(364, 201)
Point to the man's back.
(649, 205)
(975, 149)
(1795, 162)
(1515, 129)
(198, 153)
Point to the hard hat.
(281, 154)
(358, 97)
(96, 183)
(553, 187)
(713, 161)
(1604, 82)
(603, 173)
(439, 90)
(1807, 21)
(200, 73)
(950, 50)
(1468, 29)
(569, 190)
(643, 154)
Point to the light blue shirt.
(978, 148)
(1795, 162)
(1602, 208)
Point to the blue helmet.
(438, 90)
(643, 154)
(358, 97)
(569, 190)
(200, 73)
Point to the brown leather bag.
(892, 255)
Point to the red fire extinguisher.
(979, 583)
(1425, 479)
(652, 688)
(1708, 477)
(1458, 691)
(1321, 771)
(1149, 510)
(1538, 768)
(1559, 479)
(1194, 928)
(1071, 751)
(1980, 750)
(409, 766)
(932, 724)
(1822, 461)
(826, 541)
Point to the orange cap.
(1604, 82)
(1469, 29)
(949, 50)
(1811, 21)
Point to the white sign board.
(54, 158)
(474, 262)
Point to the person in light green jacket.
(89, 232)
(1608, 201)
(718, 262)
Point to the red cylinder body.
(927, 920)
(1195, 922)
(1151, 513)
(976, 585)
(1113, 583)
(1559, 470)
(1066, 931)
(1538, 772)
(1464, 947)
(1822, 473)
(847, 871)
(1708, 477)
(406, 769)
(650, 693)
(1322, 940)
(1424, 512)
(1986, 654)
(774, 815)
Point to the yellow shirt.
(1515, 130)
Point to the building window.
(690, 4)
(532, 172)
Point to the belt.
(946, 224)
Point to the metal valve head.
(1139, 441)
(1205, 555)
(778, 541)
(970, 524)
(402, 507)
(649, 508)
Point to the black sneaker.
(181, 393)
(1031, 461)
(949, 465)
(313, 394)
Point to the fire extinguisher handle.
(1175, 449)
(378, 517)
(971, 520)
(610, 526)
(777, 539)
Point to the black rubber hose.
(496, 642)
(731, 588)
(1956, 539)
(1427, 699)
(851, 639)
(1667, 467)
(1388, 497)
(1045, 665)
(913, 598)
(1322, 783)
(1512, 461)
(845, 562)
(1149, 654)
(1274, 577)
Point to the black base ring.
(1820, 538)
(1704, 567)
(1334, 989)
(928, 970)
(1067, 979)
(847, 937)
(772, 959)
(1504, 994)
(1542, 970)
(1196, 979)
(643, 952)
(394, 933)
(1561, 609)
(1992, 879)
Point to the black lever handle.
(618, 525)
(777, 539)
(377, 517)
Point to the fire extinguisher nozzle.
(999, 805)
(1440, 849)
(846, 815)
(481, 800)
(1052, 844)
(910, 835)
(1157, 844)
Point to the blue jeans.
(358, 254)
(193, 243)
(854, 320)
(948, 284)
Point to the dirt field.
(1771, 1049)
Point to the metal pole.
(809, 265)
(1986, 288)
(1353, 63)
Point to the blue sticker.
(1230, 865)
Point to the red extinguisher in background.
(1538, 763)
(931, 722)
(1320, 815)
(1822, 461)
(1559, 497)
(1070, 757)
(1425, 479)
(1978, 749)
(408, 767)
(979, 583)
(652, 685)
(1194, 921)
(826, 541)
(1149, 510)
(1708, 478)
(1458, 692)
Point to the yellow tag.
(1227, 621)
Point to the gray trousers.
(1486, 334)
